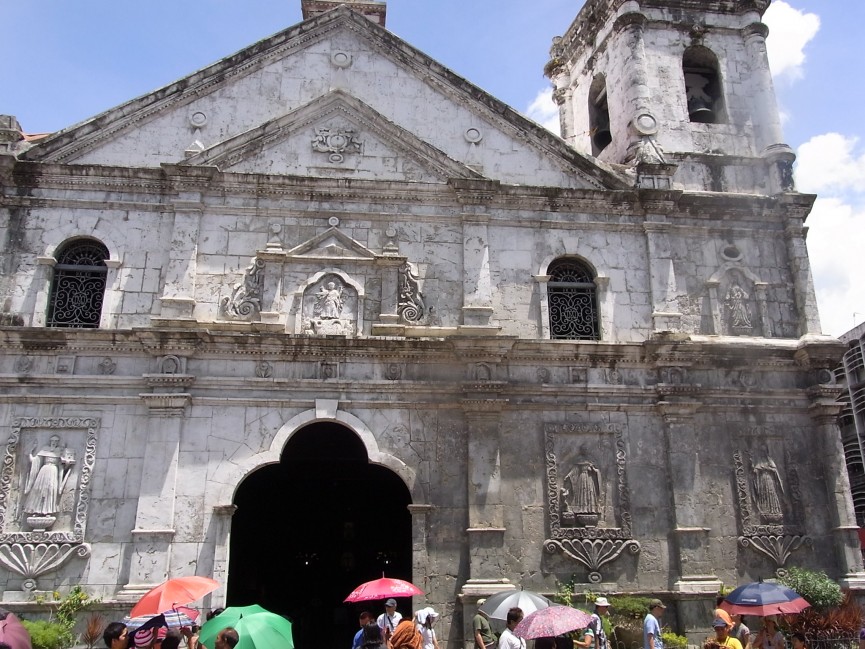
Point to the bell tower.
(375, 10)
(676, 82)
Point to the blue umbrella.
(764, 598)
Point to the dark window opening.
(703, 88)
(572, 298)
(599, 116)
(78, 287)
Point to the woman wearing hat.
(769, 636)
(425, 618)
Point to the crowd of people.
(155, 635)
(391, 631)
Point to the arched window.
(599, 115)
(572, 298)
(79, 284)
(703, 89)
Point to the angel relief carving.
(330, 307)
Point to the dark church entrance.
(309, 530)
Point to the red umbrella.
(174, 592)
(552, 621)
(12, 632)
(382, 589)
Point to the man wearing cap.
(596, 626)
(652, 626)
(722, 634)
(388, 620)
(484, 636)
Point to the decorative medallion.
(107, 366)
(264, 370)
(337, 142)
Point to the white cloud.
(545, 111)
(830, 164)
(790, 30)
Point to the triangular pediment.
(332, 244)
(231, 108)
(336, 135)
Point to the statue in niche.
(768, 490)
(329, 302)
(737, 304)
(583, 491)
(50, 469)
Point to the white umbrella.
(497, 606)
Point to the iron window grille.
(78, 287)
(572, 297)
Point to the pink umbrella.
(12, 632)
(382, 589)
(552, 621)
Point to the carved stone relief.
(245, 300)
(45, 493)
(588, 499)
(337, 142)
(23, 364)
(329, 307)
(769, 510)
(410, 307)
(737, 304)
(107, 366)
(393, 372)
(264, 370)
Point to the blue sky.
(67, 60)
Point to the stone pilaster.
(629, 27)
(692, 560)
(113, 295)
(42, 283)
(154, 519)
(824, 412)
(764, 108)
(222, 515)
(420, 567)
(477, 282)
(272, 311)
(800, 267)
(486, 529)
(662, 277)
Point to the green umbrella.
(229, 617)
(264, 631)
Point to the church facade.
(325, 310)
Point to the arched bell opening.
(311, 528)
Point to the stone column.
(683, 453)
(154, 519)
(420, 568)
(44, 276)
(824, 411)
(113, 295)
(222, 515)
(635, 78)
(477, 283)
(690, 552)
(662, 278)
(764, 108)
(486, 512)
(803, 283)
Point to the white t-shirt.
(428, 636)
(388, 622)
(507, 640)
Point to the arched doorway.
(311, 528)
